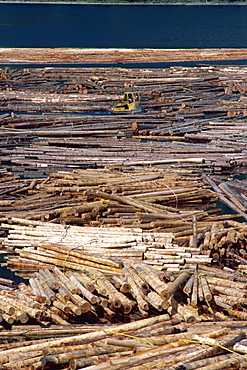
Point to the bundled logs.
(199, 112)
(30, 243)
(83, 148)
(147, 286)
(148, 215)
(226, 242)
(167, 339)
(85, 290)
(70, 247)
(147, 200)
(132, 345)
(108, 348)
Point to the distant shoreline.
(116, 56)
(128, 4)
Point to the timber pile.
(55, 154)
(53, 118)
(30, 243)
(70, 55)
(180, 93)
(168, 339)
(149, 200)
(152, 200)
(132, 238)
(132, 345)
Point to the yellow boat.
(131, 103)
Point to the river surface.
(123, 26)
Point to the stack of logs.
(31, 243)
(204, 107)
(180, 92)
(150, 199)
(135, 253)
(52, 154)
(154, 343)
(179, 307)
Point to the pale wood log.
(207, 362)
(54, 315)
(51, 280)
(87, 294)
(136, 292)
(220, 302)
(81, 363)
(35, 313)
(240, 346)
(64, 293)
(186, 314)
(84, 305)
(194, 295)
(239, 314)
(8, 318)
(69, 348)
(115, 297)
(70, 252)
(200, 290)
(35, 287)
(138, 280)
(20, 316)
(152, 279)
(188, 286)
(228, 291)
(121, 284)
(48, 292)
(156, 301)
(61, 306)
(158, 327)
(7, 308)
(227, 342)
(85, 281)
(226, 283)
(72, 288)
(67, 262)
(206, 291)
(174, 285)
(22, 363)
(65, 357)
(74, 308)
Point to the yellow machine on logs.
(131, 103)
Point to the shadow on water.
(7, 273)
(225, 210)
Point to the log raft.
(154, 254)
(170, 340)
(117, 55)
(214, 110)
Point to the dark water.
(123, 26)
(7, 273)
